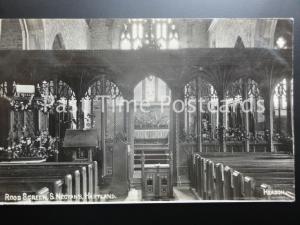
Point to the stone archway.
(152, 97)
(58, 43)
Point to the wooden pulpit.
(81, 144)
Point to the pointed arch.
(151, 88)
(36, 33)
(13, 34)
(58, 43)
(283, 34)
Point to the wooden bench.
(78, 178)
(33, 186)
(91, 170)
(235, 176)
(276, 169)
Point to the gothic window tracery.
(3, 89)
(209, 119)
(152, 33)
(283, 93)
(107, 91)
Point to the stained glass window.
(281, 43)
(139, 33)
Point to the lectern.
(81, 143)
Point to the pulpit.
(81, 144)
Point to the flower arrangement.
(236, 134)
(21, 104)
(185, 137)
(43, 146)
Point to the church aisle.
(183, 194)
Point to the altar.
(151, 133)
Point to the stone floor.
(184, 194)
(134, 195)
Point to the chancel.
(129, 110)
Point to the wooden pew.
(248, 187)
(238, 185)
(219, 181)
(277, 170)
(228, 183)
(82, 177)
(71, 178)
(211, 180)
(16, 186)
(245, 176)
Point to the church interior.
(129, 110)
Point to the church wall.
(105, 34)
(192, 33)
(11, 36)
(75, 33)
(36, 35)
(223, 33)
(255, 33)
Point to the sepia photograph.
(146, 110)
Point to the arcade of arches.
(159, 61)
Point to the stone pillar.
(246, 107)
